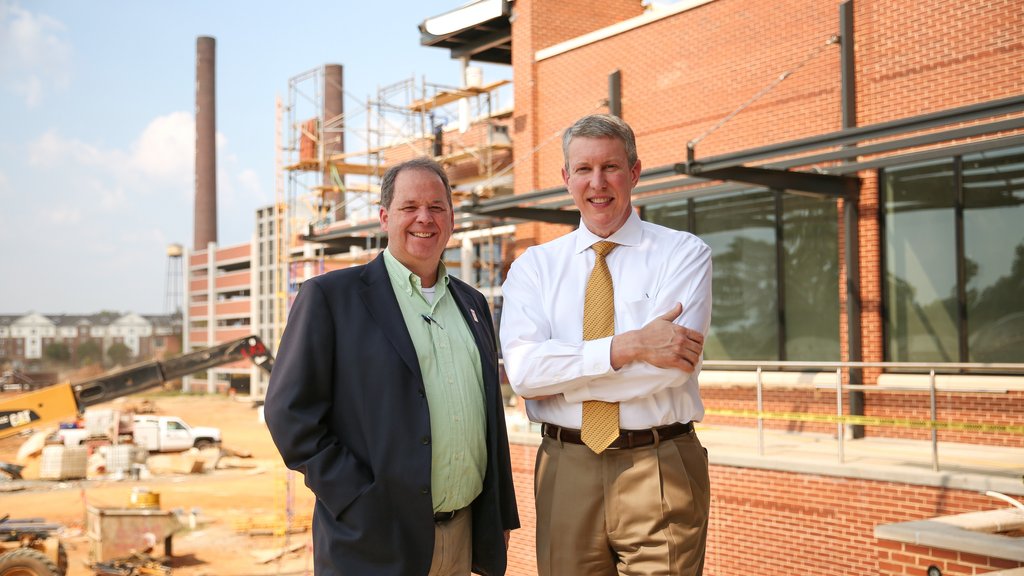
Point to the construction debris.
(134, 565)
(265, 556)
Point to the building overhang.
(479, 30)
(823, 166)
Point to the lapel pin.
(473, 313)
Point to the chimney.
(333, 134)
(206, 151)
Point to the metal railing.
(841, 419)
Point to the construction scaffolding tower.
(328, 188)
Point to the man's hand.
(660, 343)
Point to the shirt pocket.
(636, 311)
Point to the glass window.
(740, 229)
(675, 215)
(810, 263)
(993, 184)
(920, 248)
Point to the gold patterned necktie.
(600, 419)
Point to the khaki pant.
(641, 511)
(453, 546)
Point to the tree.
(119, 353)
(88, 352)
(57, 352)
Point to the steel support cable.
(692, 144)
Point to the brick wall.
(922, 56)
(522, 547)
(684, 73)
(901, 559)
(787, 523)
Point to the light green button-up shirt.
(453, 379)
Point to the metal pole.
(615, 93)
(840, 433)
(935, 431)
(851, 216)
(760, 419)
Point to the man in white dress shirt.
(639, 506)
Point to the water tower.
(172, 291)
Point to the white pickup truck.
(172, 434)
(155, 433)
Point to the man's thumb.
(673, 313)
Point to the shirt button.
(425, 440)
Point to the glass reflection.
(740, 229)
(810, 240)
(994, 249)
(920, 248)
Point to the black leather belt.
(626, 439)
(442, 517)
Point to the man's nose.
(598, 180)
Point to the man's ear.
(383, 215)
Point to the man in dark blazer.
(385, 396)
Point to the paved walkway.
(964, 466)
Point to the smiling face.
(600, 180)
(419, 222)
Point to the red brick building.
(858, 169)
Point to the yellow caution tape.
(869, 421)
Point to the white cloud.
(166, 148)
(110, 212)
(160, 159)
(34, 56)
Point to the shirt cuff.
(597, 361)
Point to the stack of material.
(63, 462)
(120, 457)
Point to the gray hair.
(601, 126)
(387, 184)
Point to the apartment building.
(24, 337)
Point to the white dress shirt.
(652, 269)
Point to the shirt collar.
(408, 282)
(629, 234)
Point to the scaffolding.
(325, 187)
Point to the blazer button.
(425, 440)
(423, 393)
(425, 490)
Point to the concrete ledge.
(879, 472)
(962, 533)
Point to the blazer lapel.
(379, 297)
(475, 320)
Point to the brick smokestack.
(206, 151)
(333, 133)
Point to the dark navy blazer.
(346, 407)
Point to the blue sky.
(97, 105)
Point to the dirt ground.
(240, 512)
